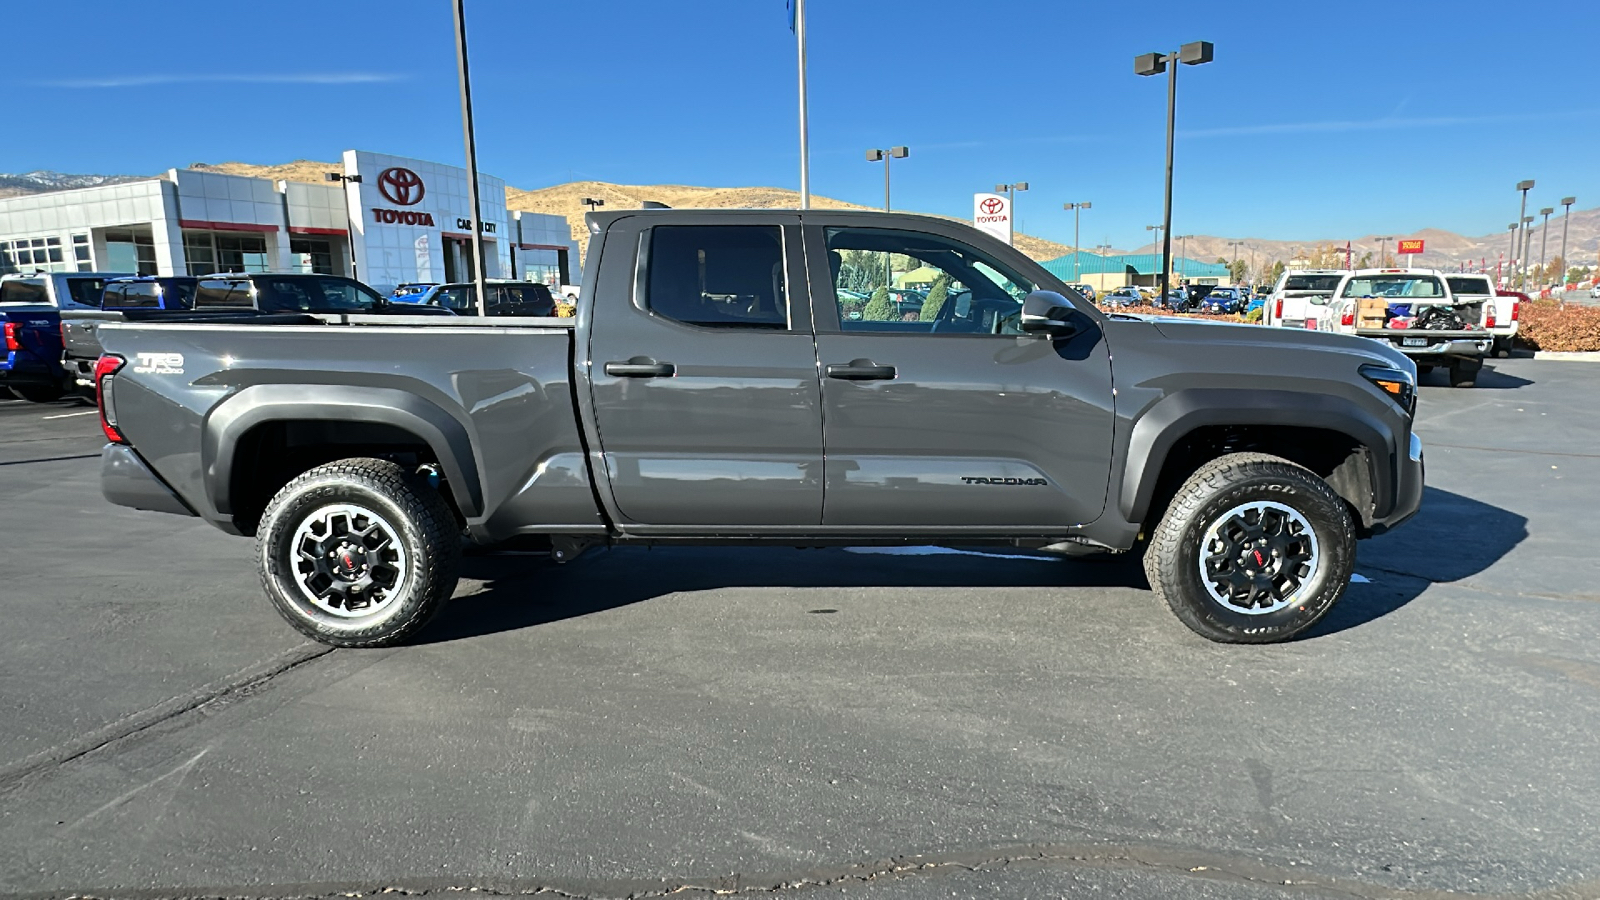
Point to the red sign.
(992, 205)
(1409, 246)
(401, 216)
(401, 187)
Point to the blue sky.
(1315, 120)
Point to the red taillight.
(1516, 309)
(1347, 319)
(11, 337)
(1489, 316)
(105, 371)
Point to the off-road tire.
(1172, 561)
(1463, 377)
(426, 530)
(39, 393)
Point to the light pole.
(1522, 241)
(1544, 238)
(1511, 256)
(472, 158)
(592, 202)
(1183, 248)
(1527, 249)
(1191, 54)
(1158, 230)
(1077, 212)
(349, 227)
(1381, 257)
(1010, 190)
(1566, 217)
(886, 155)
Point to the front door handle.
(860, 370)
(641, 367)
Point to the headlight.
(1400, 385)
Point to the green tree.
(879, 309)
(1277, 271)
(1366, 261)
(936, 298)
(1238, 270)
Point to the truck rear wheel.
(1252, 550)
(358, 553)
(40, 393)
(1464, 374)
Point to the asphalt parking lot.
(815, 722)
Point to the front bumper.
(1409, 482)
(126, 481)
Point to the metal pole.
(1011, 219)
(805, 134)
(886, 157)
(472, 159)
(1166, 221)
(1566, 219)
(1523, 246)
(1544, 242)
(1077, 213)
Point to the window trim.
(796, 287)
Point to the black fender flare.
(233, 418)
(1166, 422)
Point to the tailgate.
(33, 335)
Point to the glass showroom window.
(130, 251)
(312, 257)
(80, 252)
(31, 255)
(210, 252)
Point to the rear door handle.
(861, 370)
(641, 367)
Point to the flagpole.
(805, 137)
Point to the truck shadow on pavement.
(521, 591)
(1488, 379)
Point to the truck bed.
(500, 394)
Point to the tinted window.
(311, 294)
(526, 299)
(23, 292)
(718, 276)
(141, 294)
(460, 299)
(921, 283)
(223, 293)
(1459, 285)
(1311, 283)
(111, 297)
(86, 291)
(178, 294)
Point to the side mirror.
(1049, 313)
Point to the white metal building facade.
(386, 220)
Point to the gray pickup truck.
(722, 382)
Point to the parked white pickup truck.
(1417, 314)
(1500, 313)
(1299, 295)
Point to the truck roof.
(599, 221)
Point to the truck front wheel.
(358, 553)
(1253, 550)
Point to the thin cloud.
(119, 81)
(1384, 124)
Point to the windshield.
(300, 293)
(1419, 287)
(1474, 285)
(1312, 283)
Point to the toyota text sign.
(1409, 246)
(992, 214)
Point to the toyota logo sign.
(401, 187)
(990, 206)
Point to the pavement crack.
(239, 684)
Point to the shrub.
(566, 310)
(880, 308)
(1552, 325)
(1254, 315)
(936, 298)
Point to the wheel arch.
(1348, 446)
(346, 416)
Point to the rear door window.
(111, 297)
(23, 292)
(86, 291)
(140, 295)
(718, 276)
(225, 294)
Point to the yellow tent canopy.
(924, 276)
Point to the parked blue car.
(1223, 301)
(30, 314)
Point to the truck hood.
(1234, 339)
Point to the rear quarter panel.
(509, 388)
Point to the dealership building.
(386, 220)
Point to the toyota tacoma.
(709, 390)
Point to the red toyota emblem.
(990, 205)
(402, 187)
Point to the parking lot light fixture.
(1520, 252)
(1566, 218)
(1527, 245)
(1077, 211)
(1010, 190)
(349, 227)
(1193, 53)
(886, 155)
(1383, 259)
